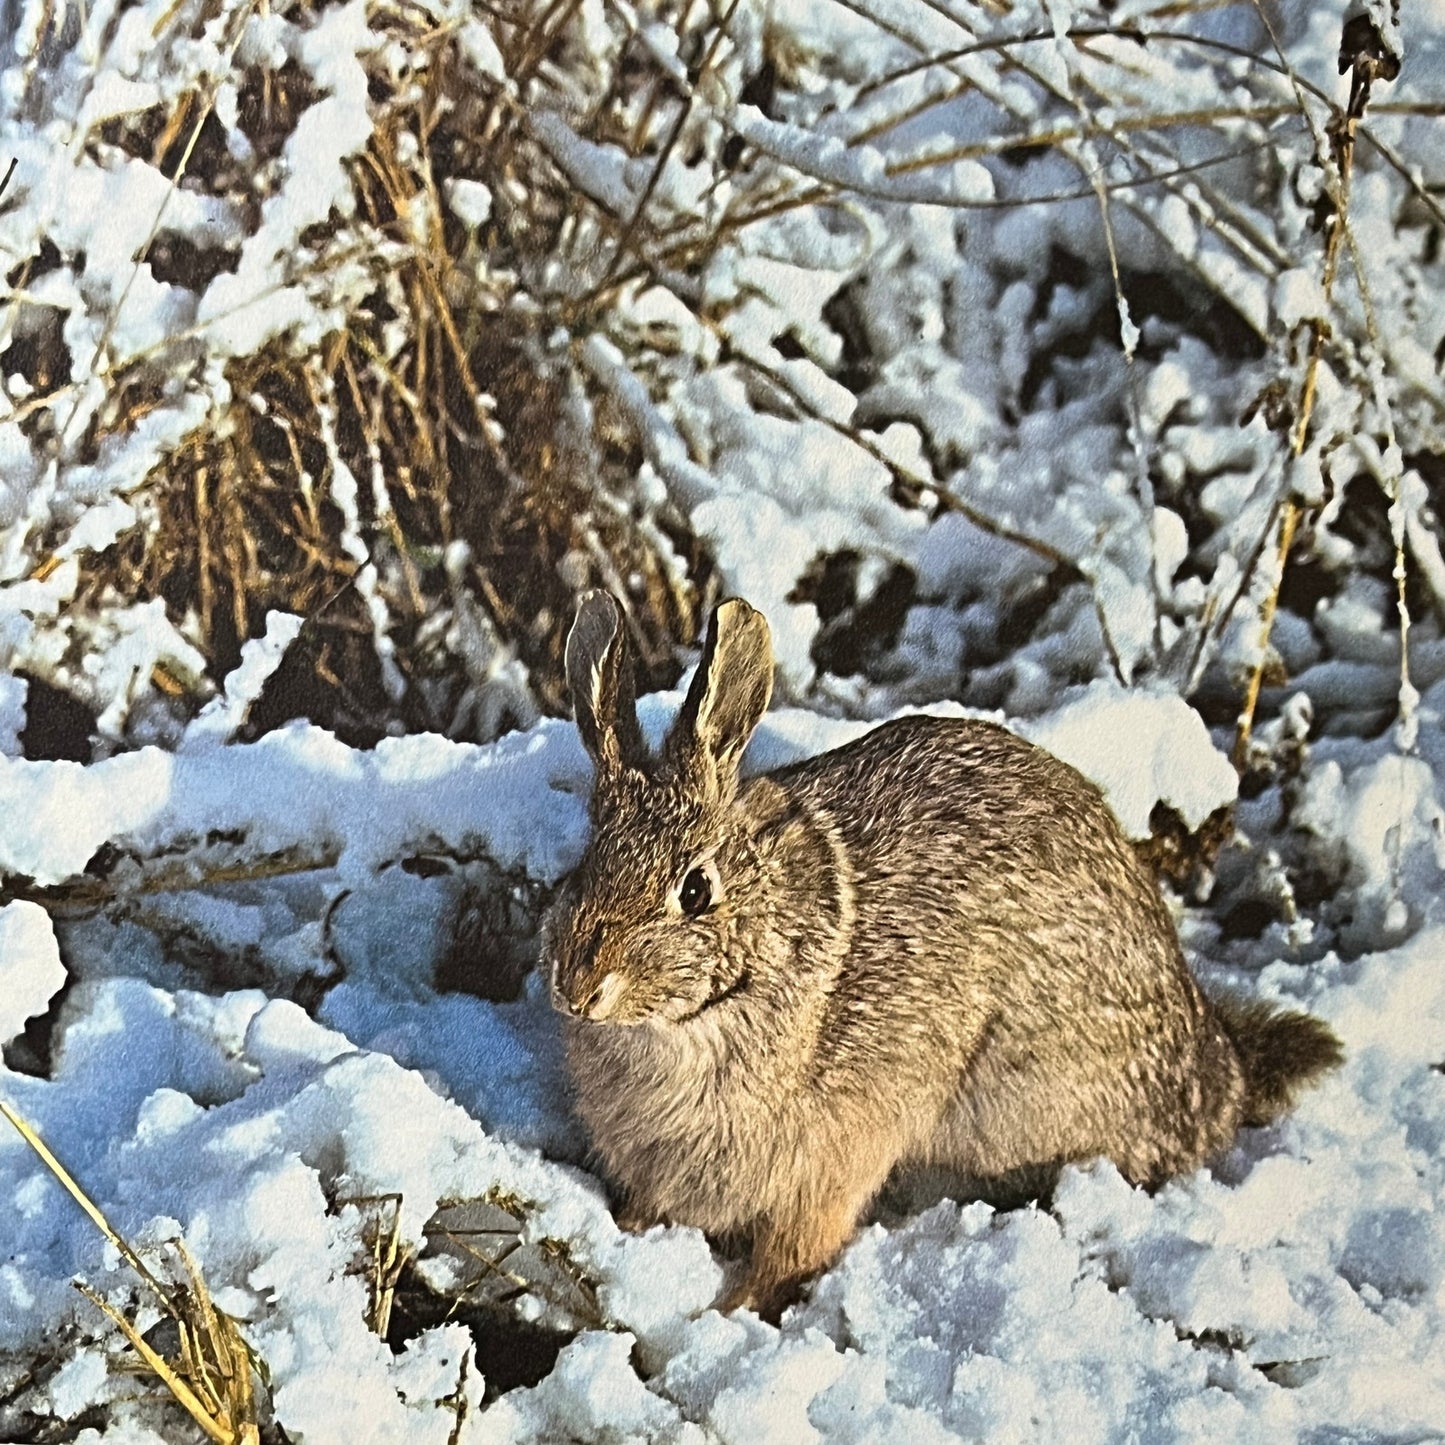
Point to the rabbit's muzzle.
(591, 996)
(593, 987)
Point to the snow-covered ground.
(267, 997)
(1294, 1289)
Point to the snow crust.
(1167, 755)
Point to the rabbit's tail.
(1282, 1052)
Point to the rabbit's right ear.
(729, 693)
(600, 679)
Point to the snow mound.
(1141, 748)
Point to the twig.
(629, 230)
(1365, 68)
(86, 896)
(86, 1203)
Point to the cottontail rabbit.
(932, 947)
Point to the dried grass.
(212, 1378)
(477, 483)
(387, 1255)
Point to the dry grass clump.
(211, 1377)
(431, 487)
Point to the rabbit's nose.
(600, 1001)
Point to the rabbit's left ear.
(729, 693)
(599, 676)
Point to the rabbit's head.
(641, 928)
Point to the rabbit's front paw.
(766, 1299)
(636, 1217)
(789, 1251)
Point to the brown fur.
(934, 947)
(1281, 1052)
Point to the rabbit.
(931, 948)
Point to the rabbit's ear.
(600, 679)
(729, 693)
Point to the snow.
(360, 807)
(260, 657)
(1311, 1254)
(30, 968)
(471, 201)
(13, 692)
(1390, 816)
(245, 952)
(1170, 757)
(592, 1391)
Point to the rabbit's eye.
(698, 890)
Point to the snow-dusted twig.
(1366, 64)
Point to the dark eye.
(695, 895)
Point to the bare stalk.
(1367, 64)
